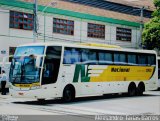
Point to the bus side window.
(71, 56)
(67, 57)
(89, 56)
(119, 58)
(105, 58)
(75, 56)
(84, 55)
(132, 59)
(151, 60)
(142, 60)
(93, 57)
(123, 58)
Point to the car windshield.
(23, 67)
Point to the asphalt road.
(148, 104)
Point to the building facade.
(69, 20)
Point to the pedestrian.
(3, 81)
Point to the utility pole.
(43, 11)
(141, 25)
(35, 21)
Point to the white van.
(6, 68)
(159, 71)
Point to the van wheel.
(68, 94)
(132, 89)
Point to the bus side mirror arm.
(38, 61)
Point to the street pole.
(139, 43)
(141, 25)
(35, 21)
(43, 11)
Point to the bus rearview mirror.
(38, 61)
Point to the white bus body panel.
(82, 89)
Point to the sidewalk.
(5, 96)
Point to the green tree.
(151, 32)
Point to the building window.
(21, 20)
(11, 52)
(123, 34)
(63, 26)
(96, 31)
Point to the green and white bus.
(61, 70)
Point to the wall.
(10, 37)
(80, 31)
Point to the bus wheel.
(140, 89)
(68, 94)
(132, 89)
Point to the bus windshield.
(23, 67)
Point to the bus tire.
(68, 93)
(140, 89)
(132, 89)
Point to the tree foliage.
(151, 32)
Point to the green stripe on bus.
(80, 70)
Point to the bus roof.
(100, 45)
(91, 46)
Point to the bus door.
(51, 65)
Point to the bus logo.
(120, 69)
(80, 70)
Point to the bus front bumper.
(34, 94)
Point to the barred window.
(96, 31)
(21, 20)
(63, 26)
(123, 34)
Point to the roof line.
(27, 5)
